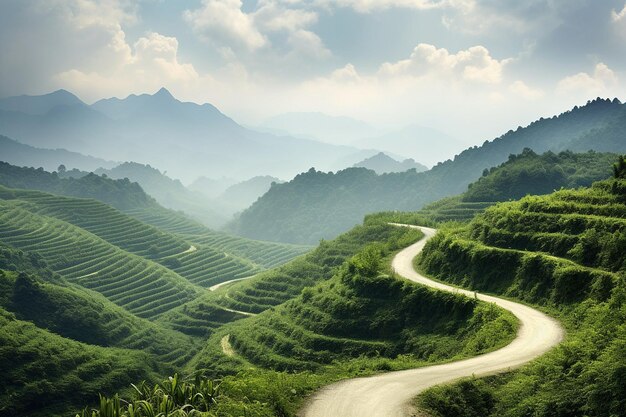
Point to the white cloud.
(277, 32)
(308, 44)
(368, 6)
(345, 74)
(618, 16)
(521, 89)
(474, 64)
(153, 64)
(274, 17)
(602, 79)
(224, 21)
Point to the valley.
(355, 208)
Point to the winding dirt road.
(389, 395)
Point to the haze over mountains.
(382, 164)
(185, 139)
(317, 205)
(426, 145)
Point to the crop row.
(139, 285)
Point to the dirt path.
(227, 348)
(221, 284)
(192, 248)
(389, 395)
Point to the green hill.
(354, 315)
(317, 205)
(171, 193)
(216, 256)
(271, 288)
(62, 344)
(565, 253)
(121, 194)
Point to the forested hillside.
(171, 193)
(564, 252)
(316, 205)
(121, 194)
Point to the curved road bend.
(390, 394)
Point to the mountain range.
(424, 144)
(317, 205)
(187, 140)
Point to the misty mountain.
(424, 144)
(382, 163)
(242, 194)
(171, 193)
(322, 127)
(16, 153)
(39, 105)
(186, 139)
(211, 187)
(316, 205)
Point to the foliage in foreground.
(171, 398)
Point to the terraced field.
(204, 265)
(85, 316)
(359, 314)
(564, 247)
(141, 286)
(168, 220)
(453, 209)
(264, 254)
(274, 287)
(564, 252)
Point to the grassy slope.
(565, 253)
(356, 323)
(274, 287)
(220, 257)
(62, 344)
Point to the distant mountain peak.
(164, 93)
(382, 163)
(40, 105)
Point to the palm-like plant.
(172, 398)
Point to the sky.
(471, 68)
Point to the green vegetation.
(271, 288)
(121, 194)
(265, 254)
(523, 174)
(220, 257)
(170, 193)
(274, 287)
(84, 316)
(361, 314)
(45, 374)
(565, 253)
(171, 397)
(529, 173)
(60, 344)
(138, 284)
